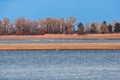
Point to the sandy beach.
(67, 46)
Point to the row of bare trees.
(23, 26)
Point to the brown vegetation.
(63, 36)
(22, 26)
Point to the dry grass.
(68, 46)
(63, 36)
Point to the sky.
(83, 10)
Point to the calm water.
(60, 65)
(37, 41)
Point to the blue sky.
(83, 10)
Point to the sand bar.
(66, 46)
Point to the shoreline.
(62, 36)
(63, 46)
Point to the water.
(37, 41)
(60, 65)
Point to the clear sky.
(83, 10)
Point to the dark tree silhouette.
(80, 28)
(109, 28)
(117, 27)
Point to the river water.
(37, 41)
(60, 65)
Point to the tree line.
(22, 26)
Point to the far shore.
(62, 36)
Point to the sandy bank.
(63, 36)
(68, 46)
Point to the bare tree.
(1, 28)
(48, 22)
(11, 29)
(20, 26)
(57, 26)
(34, 27)
(42, 27)
(42, 30)
(95, 28)
(87, 28)
(62, 25)
(70, 25)
(104, 28)
(6, 24)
